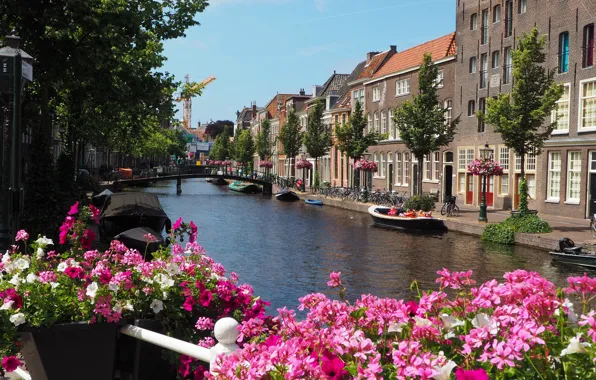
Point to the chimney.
(370, 55)
(393, 48)
(302, 92)
(254, 110)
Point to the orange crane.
(186, 98)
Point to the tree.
(351, 138)
(221, 147)
(291, 136)
(422, 122)
(520, 116)
(244, 147)
(317, 138)
(264, 145)
(214, 129)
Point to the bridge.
(179, 173)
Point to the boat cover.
(135, 239)
(100, 199)
(125, 211)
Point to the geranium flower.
(205, 298)
(10, 363)
(471, 374)
(334, 368)
(335, 281)
(22, 235)
(177, 224)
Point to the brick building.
(563, 179)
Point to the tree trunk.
(420, 173)
(341, 167)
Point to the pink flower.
(87, 239)
(189, 302)
(10, 363)
(471, 374)
(335, 281)
(205, 298)
(334, 368)
(94, 213)
(22, 235)
(204, 323)
(73, 272)
(193, 230)
(149, 238)
(177, 224)
(411, 307)
(74, 209)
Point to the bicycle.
(593, 225)
(449, 207)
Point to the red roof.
(272, 105)
(373, 65)
(439, 48)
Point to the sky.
(257, 48)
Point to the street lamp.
(485, 154)
(15, 65)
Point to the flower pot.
(70, 351)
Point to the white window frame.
(384, 122)
(523, 6)
(562, 100)
(436, 166)
(474, 21)
(551, 171)
(376, 161)
(530, 162)
(448, 105)
(428, 168)
(581, 127)
(376, 94)
(399, 169)
(376, 122)
(369, 125)
(406, 180)
(495, 60)
(496, 20)
(440, 81)
(504, 180)
(472, 65)
(577, 169)
(402, 87)
(382, 165)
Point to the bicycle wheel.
(593, 228)
(444, 209)
(454, 211)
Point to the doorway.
(448, 181)
(490, 193)
(592, 206)
(390, 178)
(469, 189)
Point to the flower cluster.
(226, 163)
(365, 165)
(180, 286)
(486, 167)
(210, 162)
(303, 164)
(520, 328)
(217, 162)
(266, 164)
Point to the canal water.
(286, 250)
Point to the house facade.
(562, 180)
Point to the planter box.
(530, 212)
(70, 351)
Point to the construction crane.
(189, 91)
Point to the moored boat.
(219, 182)
(584, 259)
(381, 217)
(314, 202)
(245, 187)
(286, 195)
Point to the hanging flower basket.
(366, 165)
(485, 167)
(209, 162)
(226, 163)
(218, 163)
(303, 164)
(266, 164)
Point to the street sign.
(27, 71)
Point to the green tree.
(244, 148)
(520, 115)
(352, 140)
(264, 145)
(221, 147)
(291, 137)
(422, 122)
(317, 138)
(215, 128)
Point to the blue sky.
(257, 48)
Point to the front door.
(390, 178)
(415, 179)
(469, 189)
(592, 207)
(448, 190)
(490, 195)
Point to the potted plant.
(58, 307)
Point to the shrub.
(529, 224)
(499, 233)
(420, 202)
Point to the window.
(427, 167)
(471, 108)
(376, 94)
(554, 176)
(448, 111)
(496, 59)
(474, 22)
(561, 112)
(522, 6)
(398, 177)
(369, 127)
(343, 119)
(508, 18)
(402, 87)
(335, 162)
(472, 69)
(376, 122)
(504, 184)
(383, 122)
(465, 156)
(531, 180)
(406, 169)
(588, 46)
(587, 106)
(497, 14)
(517, 163)
(440, 79)
(355, 97)
(436, 167)
(484, 35)
(481, 108)
(504, 158)
(530, 162)
(574, 171)
(507, 66)
(382, 166)
(483, 70)
(564, 52)
(390, 126)
(361, 96)
(336, 119)
(376, 161)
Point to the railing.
(225, 332)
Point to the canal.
(286, 250)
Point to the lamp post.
(15, 65)
(485, 153)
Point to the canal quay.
(286, 250)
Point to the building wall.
(339, 162)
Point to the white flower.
(5, 258)
(422, 322)
(395, 327)
(15, 280)
(445, 371)
(7, 305)
(188, 252)
(164, 296)
(481, 320)
(62, 267)
(575, 346)
(129, 306)
(571, 312)
(164, 281)
(173, 269)
(92, 289)
(40, 253)
(22, 263)
(113, 287)
(31, 278)
(17, 319)
(450, 322)
(157, 306)
(54, 285)
(117, 308)
(44, 241)
(215, 276)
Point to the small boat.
(210, 180)
(135, 238)
(314, 202)
(219, 182)
(568, 253)
(245, 187)
(381, 217)
(287, 195)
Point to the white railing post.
(226, 332)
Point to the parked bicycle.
(449, 207)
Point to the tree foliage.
(221, 147)
(244, 147)
(317, 138)
(215, 128)
(290, 136)
(264, 145)
(520, 116)
(351, 138)
(422, 122)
